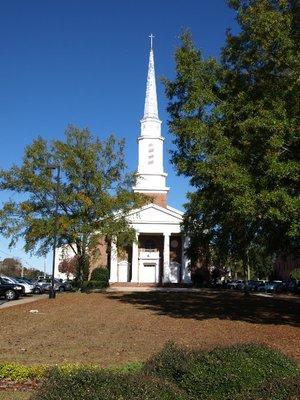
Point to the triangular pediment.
(153, 214)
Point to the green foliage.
(233, 372)
(261, 263)
(172, 363)
(239, 373)
(20, 373)
(106, 386)
(296, 274)
(222, 373)
(17, 372)
(277, 389)
(94, 187)
(94, 285)
(100, 274)
(236, 128)
(200, 277)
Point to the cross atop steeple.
(151, 36)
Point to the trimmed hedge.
(221, 373)
(99, 279)
(94, 285)
(100, 274)
(105, 386)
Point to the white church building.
(157, 256)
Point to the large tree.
(94, 195)
(236, 123)
(11, 267)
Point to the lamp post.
(52, 291)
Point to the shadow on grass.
(217, 304)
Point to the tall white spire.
(150, 110)
(151, 175)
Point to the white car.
(236, 284)
(28, 289)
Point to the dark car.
(270, 287)
(253, 285)
(297, 288)
(11, 291)
(289, 286)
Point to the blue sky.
(85, 62)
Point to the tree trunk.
(246, 270)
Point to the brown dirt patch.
(114, 328)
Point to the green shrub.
(295, 274)
(89, 285)
(171, 363)
(249, 372)
(17, 372)
(101, 385)
(221, 373)
(100, 274)
(277, 389)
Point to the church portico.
(154, 258)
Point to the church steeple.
(150, 110)
(151, 176)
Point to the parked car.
(59, 286)
(253, 285)
(36, 289)
(297, 288)
(289, 286)
(10, 291)
(27, 288)
(238, 284)
(270, 287)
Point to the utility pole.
(52, 291)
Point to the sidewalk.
(21, 300)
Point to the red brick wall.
(160, 199)
(99, 258)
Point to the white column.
(135, 260)
(186, 273)
(113, 262)
(166, 257)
